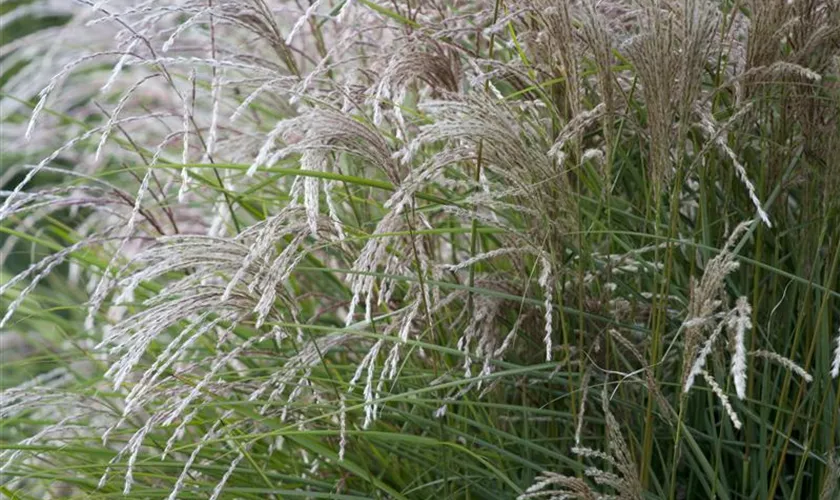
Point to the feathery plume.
(185, 155)
(724, 399)
(738, 323)
(786, 362)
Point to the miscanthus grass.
(420, 249)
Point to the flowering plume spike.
(738, 323)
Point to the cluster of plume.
(265, 187)
(624, 483)
(707, 317)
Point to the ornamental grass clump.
(415, 249)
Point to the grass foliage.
(420, 249)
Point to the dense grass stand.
(420, 249)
